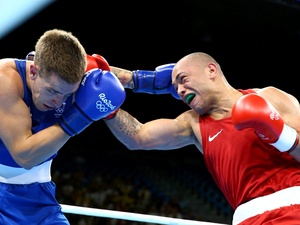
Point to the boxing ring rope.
(87, 211)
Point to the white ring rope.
(130, 216)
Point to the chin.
(43, 108)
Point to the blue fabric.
(40, 120)
(32, 204)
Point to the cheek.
(42, 94)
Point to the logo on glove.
(101, 107)
(103, 104)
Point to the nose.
(180, 90)
(58, 101)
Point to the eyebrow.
(56, 91)
(53, 86)
(177, 76)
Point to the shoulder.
(190, 120)
(11, 81)
(271, 92)
(6, 63)
(188, 116)
(279, 98)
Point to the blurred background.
(256, 43)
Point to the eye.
(52, 91)
(183, 79)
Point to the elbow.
(133, 145)
(25, 165)
(138, 144)
(23, 162)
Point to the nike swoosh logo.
(213, 137)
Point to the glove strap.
(287, 139)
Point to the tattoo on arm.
(126, 123)
(125, 76)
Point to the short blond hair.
(61, 52)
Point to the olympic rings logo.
(59, 110)
(101, 107)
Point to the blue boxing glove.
(155, 82)
(100, 94)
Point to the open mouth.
(189, 98)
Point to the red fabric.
(242, 165)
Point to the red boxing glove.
(252, 111)
(96, 61)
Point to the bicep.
(166, 134)
(161, 134)
(15, 121)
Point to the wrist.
(73, 121)
(144, 81)
(111, 115)
(294, 146)
(288, 140)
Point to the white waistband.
(13, 175)
(285, 197)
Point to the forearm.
(40, 146)
(125, 128)
(124, 76)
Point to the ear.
(212, 69)
(33, 72)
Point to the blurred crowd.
(123, 184)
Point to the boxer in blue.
(44, 101)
